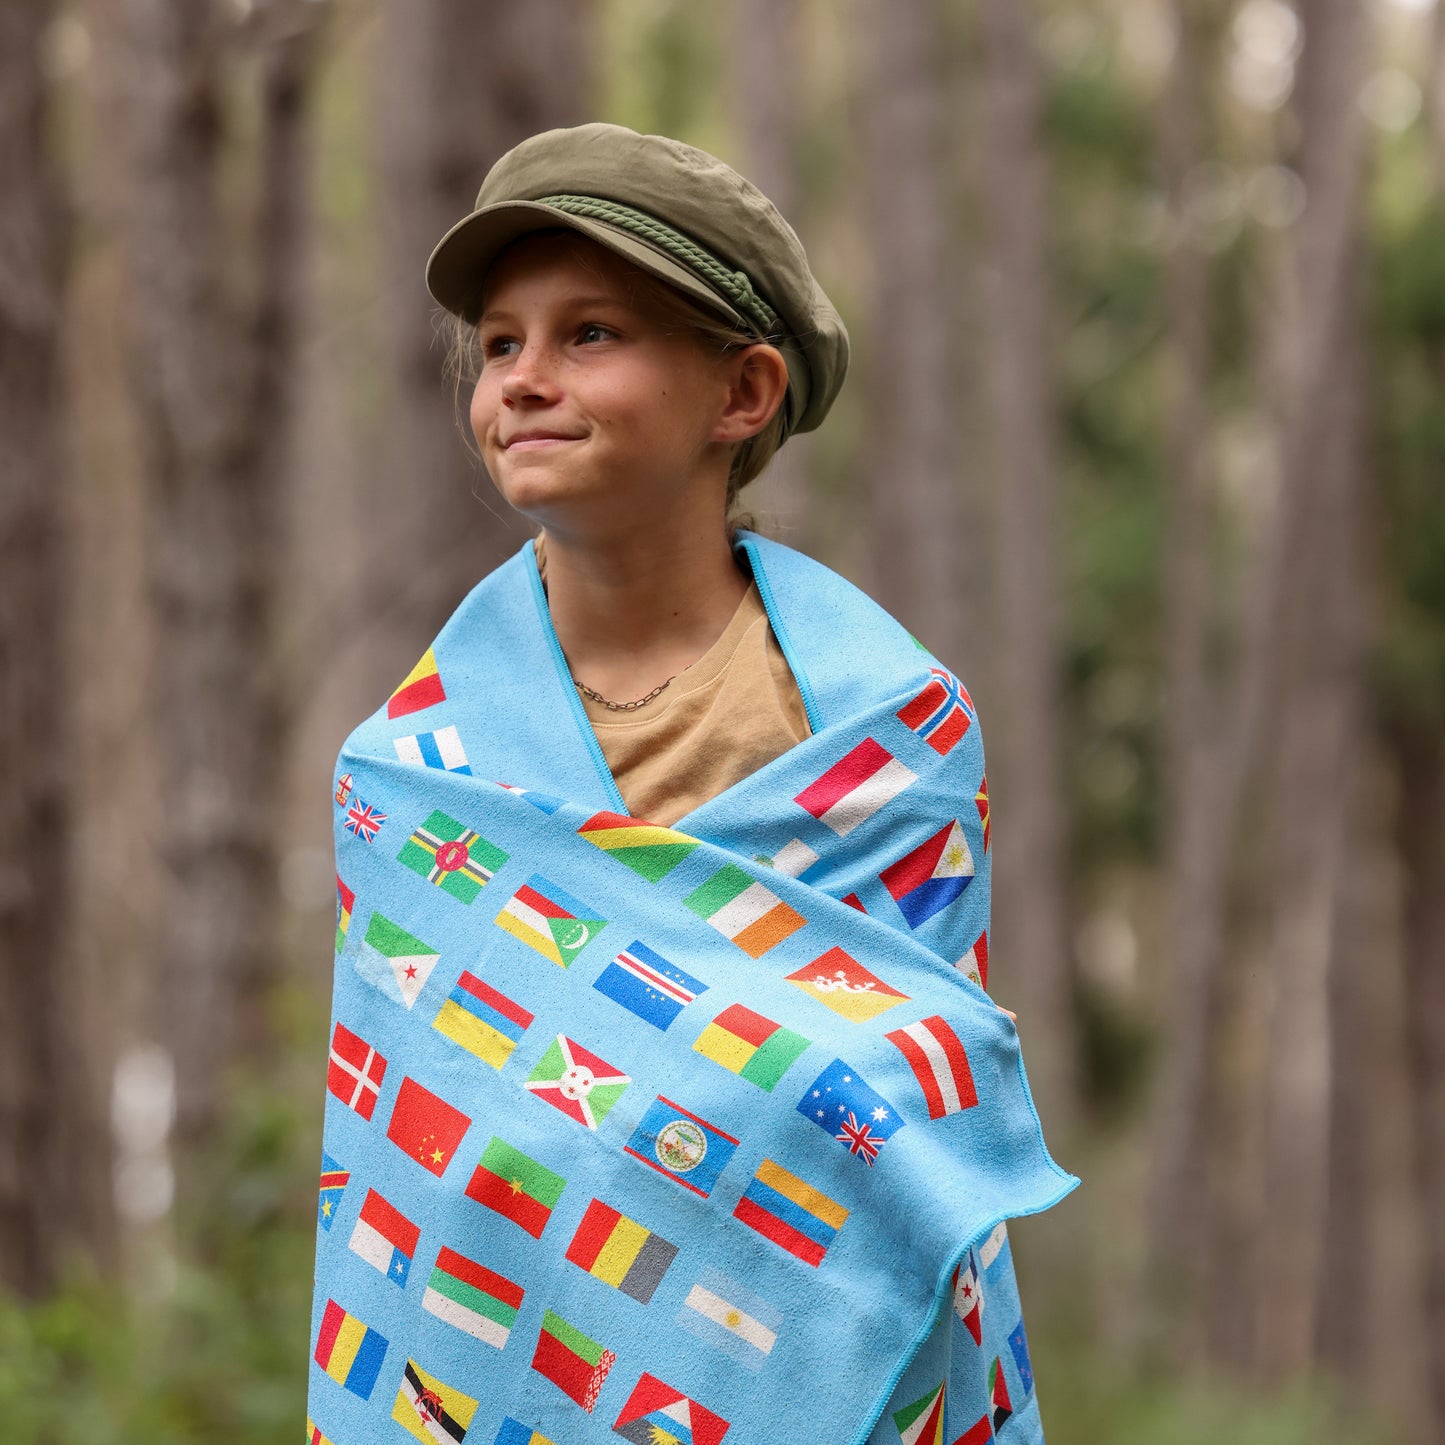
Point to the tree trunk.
(1030, 913)
(54, 1183)
(214, 355)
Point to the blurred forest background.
(1145, 437)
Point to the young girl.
(703, 1124)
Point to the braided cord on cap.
(733, 286)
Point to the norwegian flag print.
(941, 714)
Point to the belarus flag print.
(355, 1071)
(935, 1054)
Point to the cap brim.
(458, 266)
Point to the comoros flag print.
(622, 1119)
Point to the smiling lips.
(537, 438)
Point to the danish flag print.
(355, 1071)
(939, 1063)
(364, 820)
(941, 714)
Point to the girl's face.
(588, 411)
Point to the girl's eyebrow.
(578, 303)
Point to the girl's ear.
(758, 381)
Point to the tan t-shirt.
(733, 711)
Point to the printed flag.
(1019, 1344)
(475, 1299)
(513, 1432)
(482, 1019)
(646, 984)
(730, 1317)
(426, 1127)
(545, 918)
(935, 1054)
(992, 1247)
(791, 1213)
(921, 1423)
(420, 688)
(349, 1351)
(333, 1186)
(979, 1433)
(753, 1047)
(839, 982)
(543, 802)
(857, 1116)
(647, 848)
(941, 714)
(355, 1071)
(364, 820)
(741, 909)
(980, 801)
(794, 858)
(998, 1395)
(968, 1296)
(344, 785)
(656, 1413)
(855, 787)
(313, 1433)
(442, 749)
(621, 1252)
(974, 963)
(451, 855)
(575, 1363)
(435, 1413)
(516, 1186)
(385, 1238)
(574, 1080)
(928, 879)
(686, 1148)
(395, 961)
(345, 902)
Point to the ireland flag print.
(741, 909)
(549, 920)
(576, 1081)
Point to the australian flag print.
(857, 1116)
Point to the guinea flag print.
(655, 1412)
(577, 1364)
(574, 1080)
(753, 1047)
(516, 1186)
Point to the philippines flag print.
(856, 787)
(939, 1063)
(925, 881)
(941, 714)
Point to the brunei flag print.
(648, 849)
(451, 855)
(431, 1410)
(549, 920)
(574, 1080)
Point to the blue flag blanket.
(672, 1134)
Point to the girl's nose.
(529, 378)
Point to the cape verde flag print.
(645, 983)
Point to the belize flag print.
(925, 881)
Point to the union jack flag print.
(838, 1098)
(942, 713)
(364, 820)
(859, 1138)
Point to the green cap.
(674, 211)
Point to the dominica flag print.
(482, 1019)
(646, 984)
(513, 1432)
(791, 1212)
(682, 1145)
(576, 1081)
(394, 961)
(333, 1185)
(349, 1350)
(577, 1364)
(921, 1423)
(621, 1252)
(441, 749)
(354, 1071)
(753, 1047)
(860, 783)
(941, 714)
(936, 1055)
(656, 1414)
(420, 688)
(841, 1103)
(385, 1238)
(548, 919)
(926, 880)
(516, 1186)
(425, 1127)
(431, 1410)
(650, 850)
(726, 1314)
(453, 856)
(476, 1300)
(839, 982)
(745, 911)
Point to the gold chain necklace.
(622, 706)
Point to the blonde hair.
(675, 312)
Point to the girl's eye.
(493, 346)
(591, 331)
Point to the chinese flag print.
(426, 1127)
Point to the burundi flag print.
(420, 688)
(743, 910)
(651, 851)
(681, 1145)
(385, 1238)
(925, 881)
(921, 1423)
(477, 1300)
(842, 1104)
(431, 1410)
(516, 1186)
(576, 1081)
(727, 1315)
(451, 855)
(856, 787)
(395, 961)
(576, 1363)
(839, 982)
(656, 1414)
(646, 984)
(442, 750)
(549, 920)
(753, 1047)
(621, 1252)
(349, 1350)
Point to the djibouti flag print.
(690, 1114)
